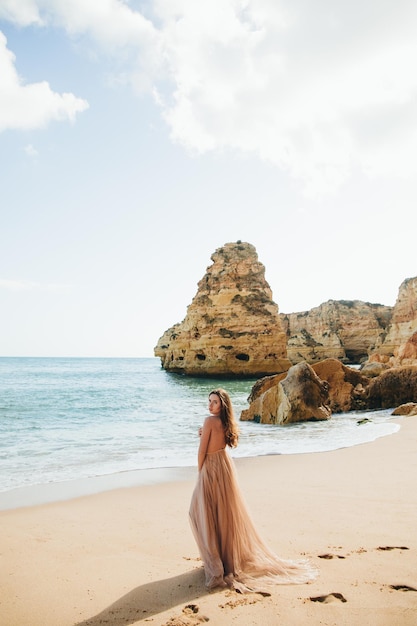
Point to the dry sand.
(127, 556)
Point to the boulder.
(395, 386)
(410, 408)
(373, 368)
(347, 386)
(297, 397)
(263, 384)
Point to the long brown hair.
(227, 416)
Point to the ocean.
(65, 419)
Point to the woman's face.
(214, 404)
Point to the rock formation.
(232, 326)
(345, 389)
(373, 369)
(341, 329)
(315, 392)
(299, 396)
(398, 346)
(395, 386)
(347, 386)
(409, 408)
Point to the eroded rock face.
(395, 386)
(232, 326)
(399, 345)
(342, 329)
(347, 386)
(317, 391)
(299, 396)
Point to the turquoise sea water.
(65, 419)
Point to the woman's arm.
(204, 442)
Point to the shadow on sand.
(151, 599)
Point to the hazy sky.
(138, 137)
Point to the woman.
(232, 551)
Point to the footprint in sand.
(393, 548)
(402, 588)
(245, 600)
(330, 597)
(331, 556)
(190, 617)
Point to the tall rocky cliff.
(232, 326)
(398, 346)
(341, 329)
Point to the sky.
(136, 138)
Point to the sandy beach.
(127, 556)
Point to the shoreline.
(48, 493)
(127, 555)
(60, 491)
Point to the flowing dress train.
(232, 551)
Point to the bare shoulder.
(212, 422)
(209, 421)
(215, 422)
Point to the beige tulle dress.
(232, 551)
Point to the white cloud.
(25, 106)
(109, 22)
(23, 12)
(294, 86)
(314, 88)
